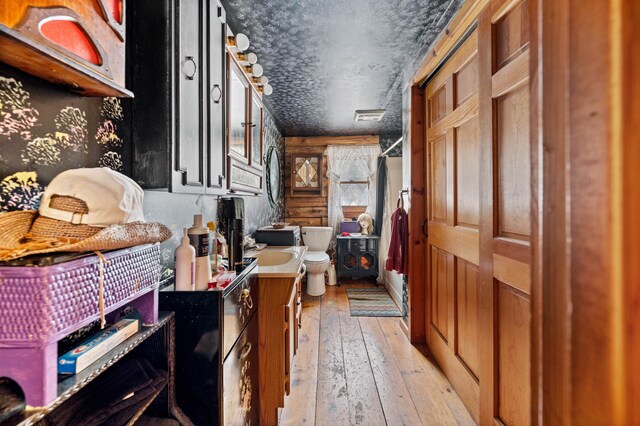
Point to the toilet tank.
(317, 238)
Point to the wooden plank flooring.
(363, 371)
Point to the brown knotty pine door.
(505, 226)
(453, 209)
(479, 221)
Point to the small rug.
(372, 302)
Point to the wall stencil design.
(45, 130)
(111, 159)
(73, 122)
(43, 151)
(20, 191)
(112, 108)
(18, 117)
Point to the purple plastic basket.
(41, 305)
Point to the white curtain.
(353, 161)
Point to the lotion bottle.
(185, 260)
(199, 238)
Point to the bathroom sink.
(279, 262)
(274, 258)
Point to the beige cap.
(111, 197)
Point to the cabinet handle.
(245, 351)
(216, 94)
(249, 124)
(189, 68)
(246, 298)
(424, 229)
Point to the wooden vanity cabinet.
(279, 312)
(178, 112)
(290, 334)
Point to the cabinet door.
(289, 336)
(216, 164)
(240, 379)
(189, 167)
(237, 123)
(257, 131)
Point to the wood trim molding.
(461, 22)
(418, 315)
(586, 334)
(331, 140)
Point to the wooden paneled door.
(505, 224)
(478, 208)
(453, 213)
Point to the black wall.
(45, 129)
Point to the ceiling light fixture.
(261, 81)
(239, 41)
(249, 58)
(369, 114)
(254, 70)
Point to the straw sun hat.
(81, 210)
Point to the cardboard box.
(93, 348)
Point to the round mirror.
(273, 176)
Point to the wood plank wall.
(311, 209)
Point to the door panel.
(189, 153)
(514, 170)
(479, 216)
(511, 32)
(513, 344)
(466, 80)
(440, 275)
(468, 171)
(467, 315)
(505, 223)
(439, 179)
(452, 176)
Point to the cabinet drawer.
(240, 379)
(289, 336)
(239, 305)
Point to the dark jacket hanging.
(398, 256)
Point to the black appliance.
(235, 229)
(287, 236)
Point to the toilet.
(316, 261)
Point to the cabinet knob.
(216, 94)
(189, 68)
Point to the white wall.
(392, 280)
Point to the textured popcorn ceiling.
(327, 58)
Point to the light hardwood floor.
(363, 371)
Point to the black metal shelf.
(69, 386)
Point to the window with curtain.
(351, 172)
(354, 190)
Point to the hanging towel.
(398, 256)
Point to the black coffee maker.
(236, 244)
(231, 214)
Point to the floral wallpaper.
(45, 130)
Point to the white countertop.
(290, 269)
